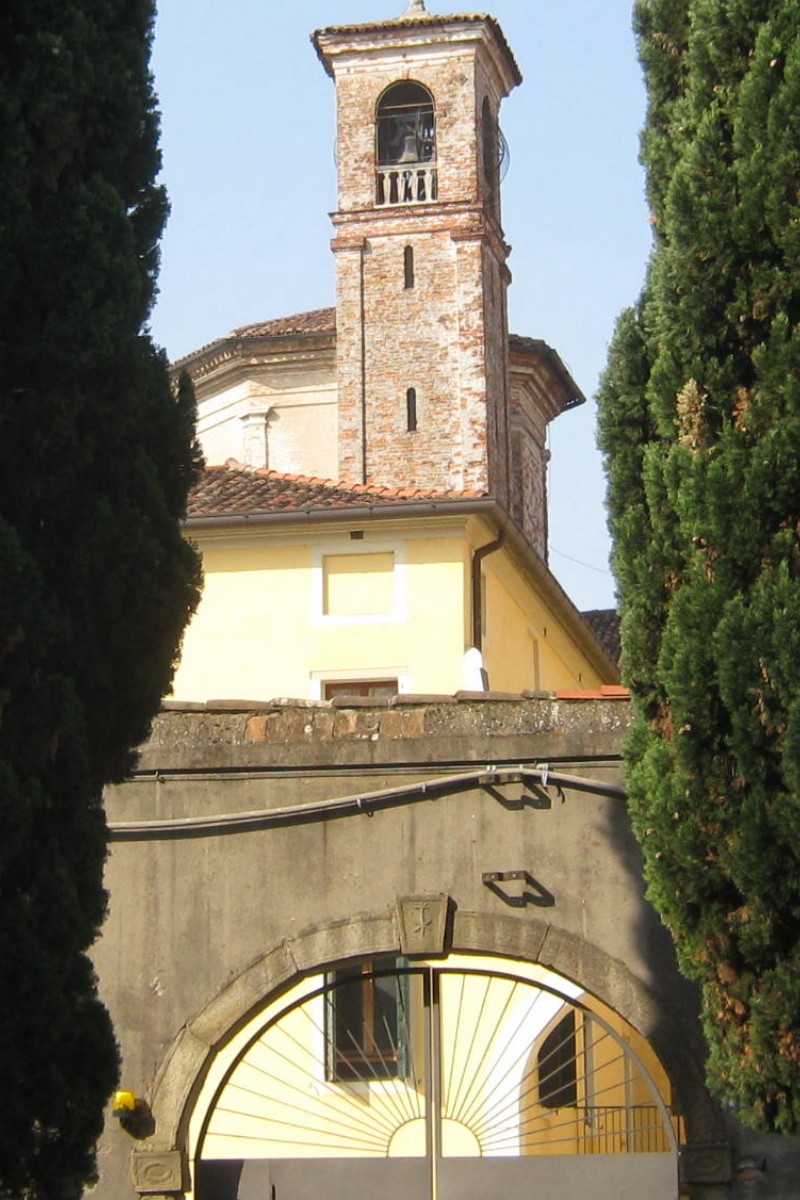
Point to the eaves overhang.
(537, 350)
(243, 349)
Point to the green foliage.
(700, 426)
(96, 582)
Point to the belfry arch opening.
(450, 1078)
(405, 145)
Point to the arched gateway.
(466, 1069)
(444, 1079)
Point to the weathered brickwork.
(536, 397)
(445, 337)
(529, 458)
(528, 499)
(496, 278)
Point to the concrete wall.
(206, 925)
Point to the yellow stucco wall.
(282, 613)
(525, 644)
(262, 631)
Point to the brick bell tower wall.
(422, 350)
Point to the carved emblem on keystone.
(422, 922)
(157, 1171)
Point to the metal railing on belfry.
(406, 184)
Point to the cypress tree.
(96, 582)
(700, 426)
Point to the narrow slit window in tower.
(411, 410)
(408, 266)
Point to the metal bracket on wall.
(532, 892)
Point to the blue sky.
(247, 138)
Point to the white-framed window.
(378, 682)
(358, 586)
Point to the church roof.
(319, 320)
(230, 491)
(323, 320)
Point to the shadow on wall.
(677, 1036)
(219, 1180)
(763, 1166)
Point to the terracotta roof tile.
(239, 491)
(604, 624)
(319, 320)
(606, 692)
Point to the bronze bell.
(409, 152)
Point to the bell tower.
(421, 275)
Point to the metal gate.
(440, 1084)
